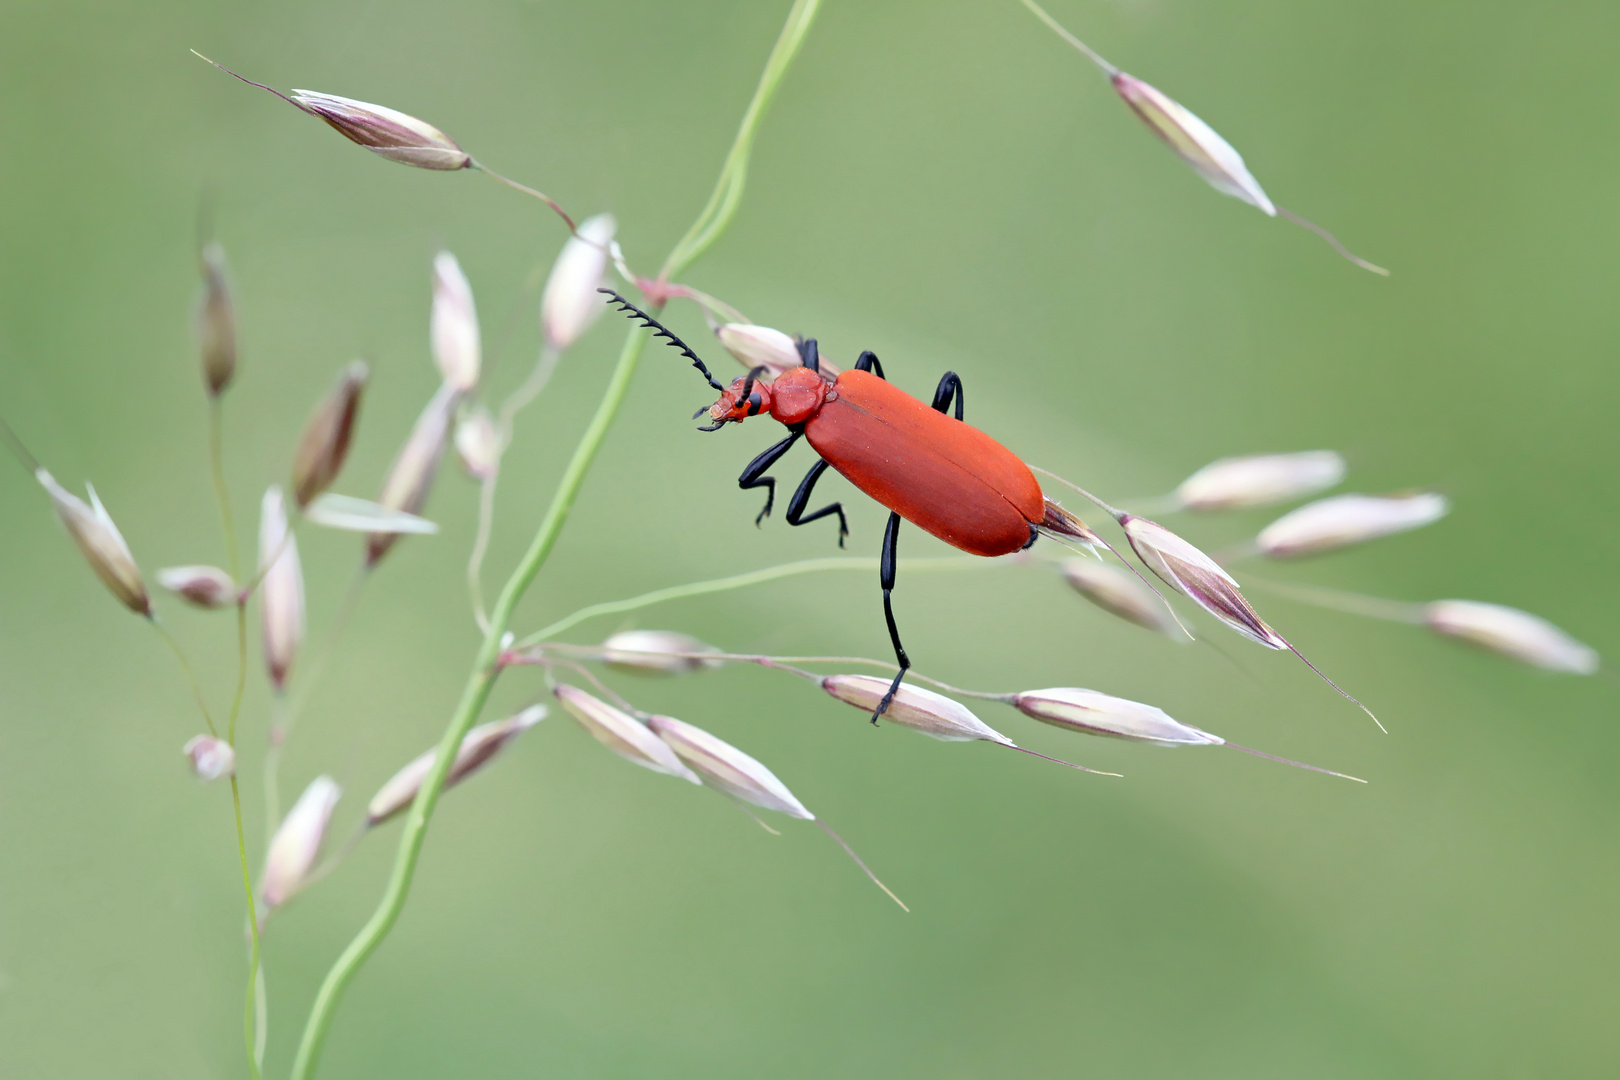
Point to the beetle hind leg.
(950, 385)
(891, 537)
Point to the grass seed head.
(1065, 527)
(1237, 483)
(1119, 592)
(1198, 577)
(478, 748)
(453, 325)
(723, 766)
(759, 346)
(210, 758)
(478, 444)
(384, 131)
(281, 592)
(326, 438)
(923, 711)
(1194, 141)
(201, 586)
(571, 303)
(1511, 632)
(622, 733)
(297, 843)
(1342, 520)
(647, 652)
(1093, 713)
(410, 477)
(216, 322)
(100, 542)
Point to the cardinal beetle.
(938, 473)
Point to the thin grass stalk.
(486, 666)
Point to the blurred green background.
(948, 185)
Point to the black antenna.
(660, 330)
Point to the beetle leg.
(810, 355)
(949, 386)
(891, 536)
(754, 476)
(795, 510)
(869, 362)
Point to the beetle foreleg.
(795, 510)
(891, 537)
(754, 476)
(949, 386)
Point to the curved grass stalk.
(715, 217)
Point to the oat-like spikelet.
(281, 591)
(453, 325)
(649, 652)
(622, 733)
(478, 748)
(1103, 714)
(206, 587)
(923, 711)
(1122, 593)
(1511, 632)
(760, 346)
(297, 842)
(100, 542)
(1197, 576)
(570, 303)
(210, 758)
(1237, 483)
(216, 322)
(1343, 520)
(410, 477)
(727, 768)
(325, 443)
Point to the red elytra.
(942, 475)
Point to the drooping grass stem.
(485, 668)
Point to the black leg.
(891, 536)
(869, 362)
(795, 510)
(949, 386)
(810, 355)
(754, 476)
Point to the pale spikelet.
(281, 592)
(210, 758)
(100, 542)
(1511, 632)
(760, 346)
(453, 326)
(1064, 527)
(1122, 593)
(648, 652)
(1237, 483)
(326, 438)
(202, 586)
(924, 711)
(297, 843)
(478, 748)
(478, 444)
(1194, 141)
(1103, 714)
(723, 766)
(622, 733)
(1189, 571)
(1343, 520)
(384, 131)
(570, 303)
(216, 322)
(410, 477)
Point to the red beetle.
(938, 473)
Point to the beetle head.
(745, 397)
